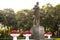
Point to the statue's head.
(37, 3)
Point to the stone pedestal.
(38, 33)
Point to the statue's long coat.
(37, 11)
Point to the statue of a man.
(36, 14)
(37, 30)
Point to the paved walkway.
(33, 39)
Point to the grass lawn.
(57, 38)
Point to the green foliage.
(23, 19)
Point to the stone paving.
(33, 39)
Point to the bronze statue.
(36, 14)
(37, 30)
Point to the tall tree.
(9, 17)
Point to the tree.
(9, 17)
(24, 19)
(1, 16)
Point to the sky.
(25, 4)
